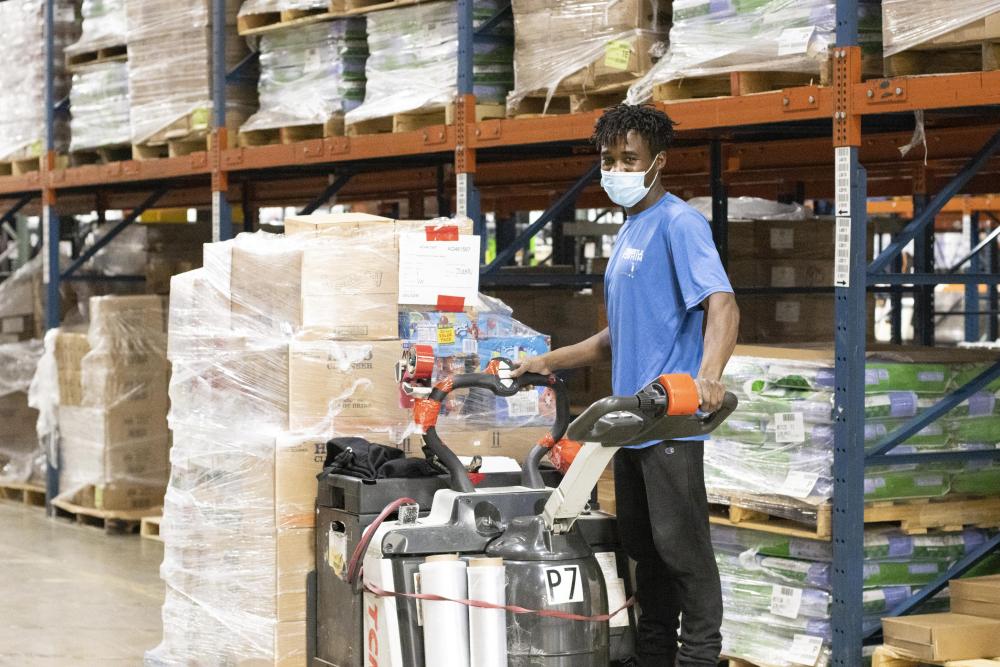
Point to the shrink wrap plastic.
(710, 37)
(310, 74)
(776, 451)
(170, 72)
(277, 344)
(266, 6)
(909, 24)
(103, 26)
(576, 47)
(22, 79)
(20, 456)
(413, 61)
(99, 106)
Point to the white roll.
(446, 624)
(488, 627)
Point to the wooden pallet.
(101, 155)
(26, 494)
(112, 522)
(334, 127)
(736, 83)
(970, 57)
(913, 516)
(27, 165)
(886, 656)
(258, 24)
(107, 54)
(417, 120)
(169, 149)
(149, 527)
(534, 106)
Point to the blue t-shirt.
(663, 266)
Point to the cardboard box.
(352, 316)
(978, 596)
(127, 316)
(363, 227)
(343, 380)
(290, 644)
(120, 496)
(792, 318)
(294, 561)
(297, 461)
(943, 636)
(781, 273)
(18, 422)
(18, 324)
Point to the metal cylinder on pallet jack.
(446, 624)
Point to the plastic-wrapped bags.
(99, 106)
(908, 24)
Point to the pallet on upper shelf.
(736, 84)
(26, 165)
(100, 155)
(914, 516)
(982, 56)
(110, 521)
(26, 494)
(885, 656)
(416, 120)
(256, 24)
(149, 527)
(535, 106)
(333, 127)
(188, 134)
(104, 54)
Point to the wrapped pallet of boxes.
(412, 67)
(776, 451)
(940, 36)
(173, 248)
(309, 77)
(102, 32)
(114, 442)
(770, 43)
(19, 449)
(582, 50)
(777, 589)
(22, 104)
(170, 74)
(276, 345)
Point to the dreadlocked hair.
(647, 121)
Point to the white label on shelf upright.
(46, 240)
(843, 181)
(805, 649)
(842, 259)
(462, 198)
(786, 601)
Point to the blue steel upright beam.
(923, 263)
(993, 326)
(972, 301)
(720, 202)
(222, 214)
(467, 195)
(851, 209)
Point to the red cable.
(354, 566)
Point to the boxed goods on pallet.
(776, 451)
(413, 62)
(709, 39)
(777, 589)
(943, 636)
(170, 71)
(309, 77)
(938, 24)
(20, 459)
(100, 107)
(22, 49)
(102, 32)
(277, 344)
(112, 389)
(583, 48)
(170, 249)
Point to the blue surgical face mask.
(627, 188)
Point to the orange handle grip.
(682, 393)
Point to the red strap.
(477, 478)
(442, 233)
(514, 609)
(425, 412)
(450, 304)
(546, 441)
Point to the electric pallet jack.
(367, 566)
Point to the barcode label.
(799, 484)
(789, 427)
(469, 346)
(842, 258)
(786, 601)
(523, 404)
(843, 180)
(805, 649)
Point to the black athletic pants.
(663, 519)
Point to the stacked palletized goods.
(277, 344)
(940, 36)
(22, 80)
(713, 37)
(170, 71)
(776, 451)
(583, 48)
(777, 591)
(413, 61)
(310, 76)
(112, 387)
(20, 459)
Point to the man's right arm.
(587, 352)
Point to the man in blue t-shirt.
(670, 310)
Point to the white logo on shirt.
(632, 255)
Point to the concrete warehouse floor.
(72, 595)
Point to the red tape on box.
(443, 233)
(450, 304)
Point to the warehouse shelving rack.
(768, 144)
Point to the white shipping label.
(795, 40)
(782, 276)
(789, 427)
(523, 404)
(799, 484)
(431, 269)
(842, 257)
(805, 649)
(609, 564)
(563, 584)
(616, 600)
(842, 202)
(787, 312)
(782, 238)
(786, 601)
